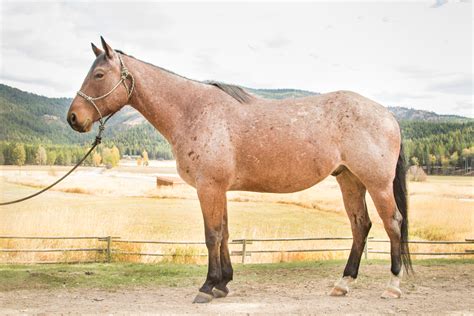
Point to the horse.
(226, 139)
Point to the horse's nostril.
(72, 118)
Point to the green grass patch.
(116, 275)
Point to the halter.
(124, 74)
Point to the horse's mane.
(234, 91)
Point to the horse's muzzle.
(75, 125)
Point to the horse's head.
(105, 90)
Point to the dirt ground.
(437, 289)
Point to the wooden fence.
(109, 250)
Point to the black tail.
(400, 193)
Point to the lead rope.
(124, 74)
(94, 145)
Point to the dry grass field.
(125, 202)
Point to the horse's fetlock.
(227, 274)
(215, 277)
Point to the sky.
(412, 54)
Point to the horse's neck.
(165, 99)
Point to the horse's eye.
(99, 75)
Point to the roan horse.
(224, 138)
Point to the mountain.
(31, 118)
(280, 93)
(407, 114)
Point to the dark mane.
(234, 91)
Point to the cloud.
(204, 61)
(399, 97)
(439, 3)
(45, 45)
(277, 42)
(419, 72)
(465, 106)
(461, 85)
(15, 77)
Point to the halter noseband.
(124, 74)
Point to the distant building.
(169, 181)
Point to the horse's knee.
(213, 238)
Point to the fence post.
(366, 248)
(244, 250)
(109, 251)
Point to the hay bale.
(417, 174)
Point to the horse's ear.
(109, 52)
(97, 51)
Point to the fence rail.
(56, 237)
(110, 241)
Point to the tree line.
(16, 153)
(435, 144)
(108, 154)
(431, 144)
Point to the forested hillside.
(30, 118)
(406, 114)
(33, 130)
(442, 144)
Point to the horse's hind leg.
(353, 194)
(386, 206)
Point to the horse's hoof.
(219, 293)
(339, 291)
(391, 292)
(341, 287)
(203, 298)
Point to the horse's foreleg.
(392, 219)
(221, 290)
(213, 205)
(353, 193)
